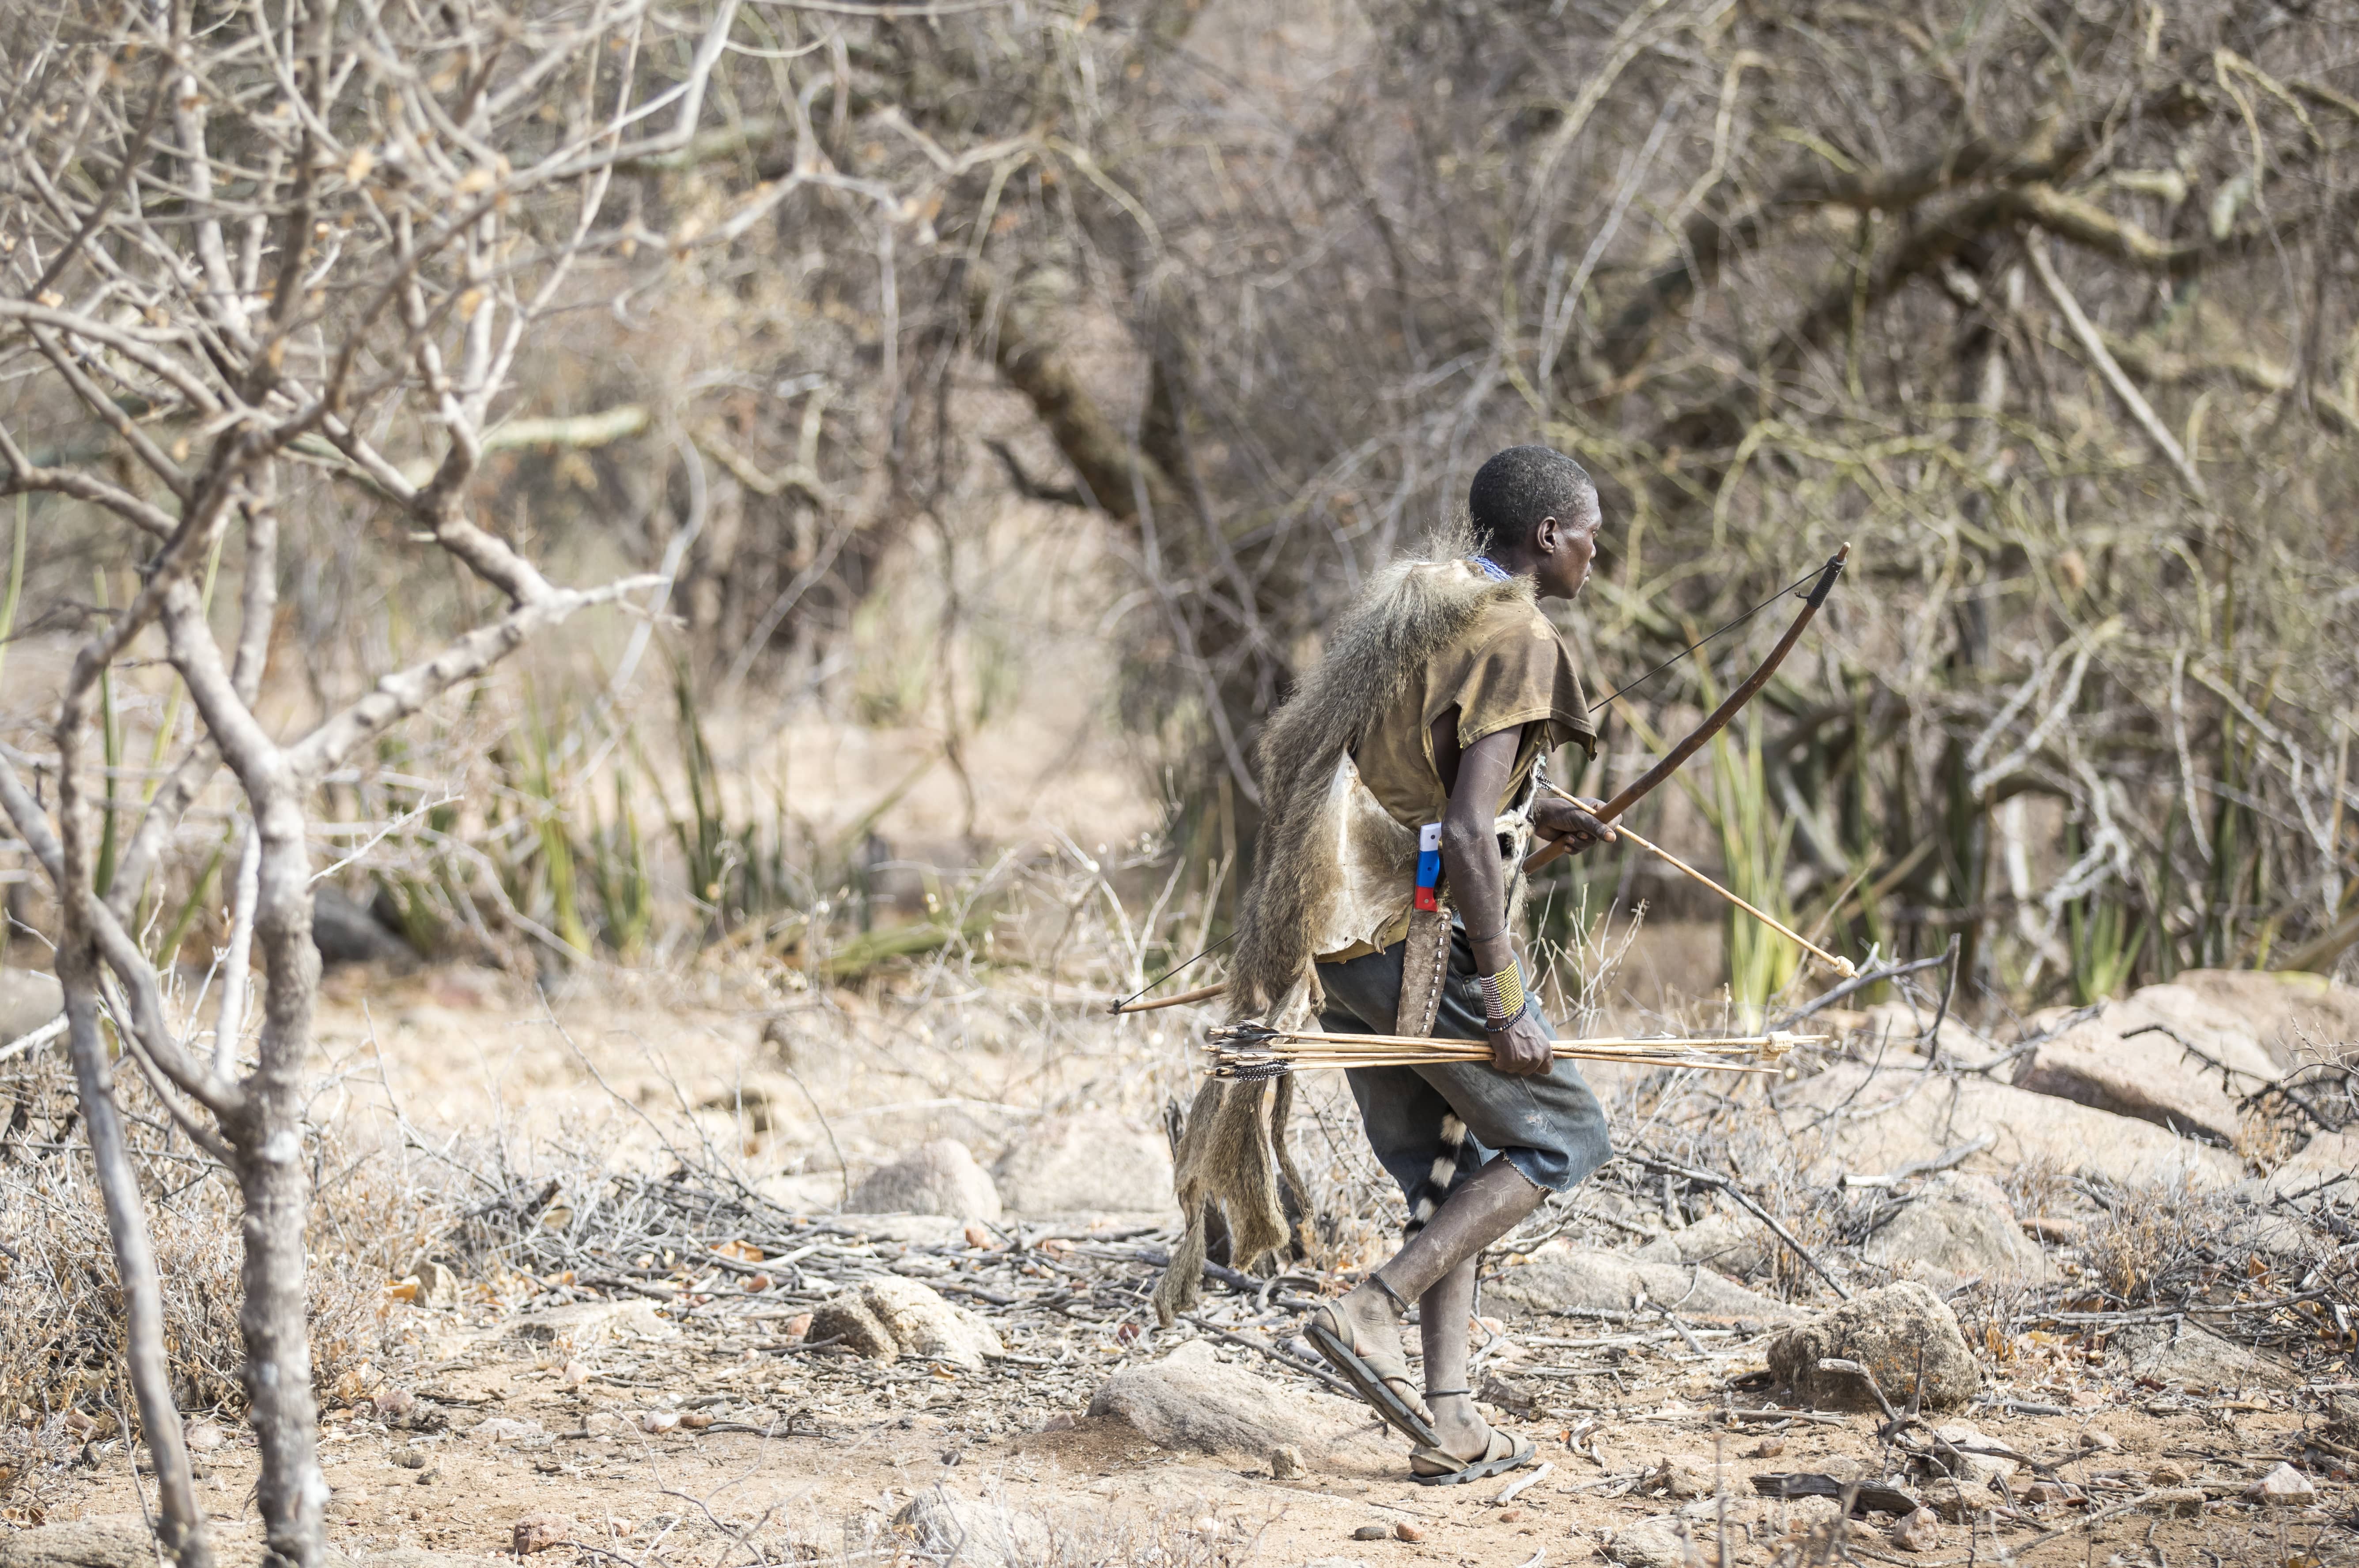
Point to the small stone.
(410, 1458)
(988, 1533)
(1285, 1462)
(2182, 1502)
(2283, 1485)
(1960, 1502)
(538, 1532)
(438, 1285)
(574, 1376)
(1767, 1448)
(1919, 1531)
(1405, 1531)
(923, 1325)
(2094, 1441)
(696, 1420)
(204, 1436)
(2167, 1473)
(1677, 1476)
(659, 1421)
(798, 1327)
(857, 1327)
(596, 1322)
(976, 1235)
(1974, 1458)
(1663, 1543)
(1510, 1516)
(392, 1404)
(1371, 1532)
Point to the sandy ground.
(841, 1446)
(763, 1449)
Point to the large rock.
(924, 1325)
(2183, 1355)
(947, 1527)
(28, 999)
(1092, 1161)
(1865, 1121)
(345, 932)
(1961, 1226)
(2295, 1016)
(1558, 1276)
(1191, 1401)
(82, 1543)
(1726, 1240)
(938, 1178)
(1892, 1332)
(2322, 1159)
(2121, 1061)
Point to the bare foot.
(1372, 1317)
(1465, 1433)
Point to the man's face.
(1566, 547)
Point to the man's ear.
(1547, 535)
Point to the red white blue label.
(1428, 866)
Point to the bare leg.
(1441, 1315)
(1489, 1204)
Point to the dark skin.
(1556, 554)
(1437, 1267)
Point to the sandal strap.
(1448, 1393)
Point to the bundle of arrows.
(1257, 1051)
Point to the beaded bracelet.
(1503, 996)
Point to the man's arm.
(1478, 885)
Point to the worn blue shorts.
(1548, 1127)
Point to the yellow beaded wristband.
(1503, 996)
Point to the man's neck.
(1503, 564)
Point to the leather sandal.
(1381, 1376)
(1429, 1466)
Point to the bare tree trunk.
(293, 1492)
(183, 1527)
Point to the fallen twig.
(1756, 1209)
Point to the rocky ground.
(2109, 1300)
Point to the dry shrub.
(2150, 1236)
(62, 1339)
(2041, 1184)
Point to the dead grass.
(62, 1335)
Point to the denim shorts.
(1549, 1127)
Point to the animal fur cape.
(1331, 867)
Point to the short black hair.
(1519, 486)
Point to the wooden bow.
(1694, 739)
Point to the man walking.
(1442, 690)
